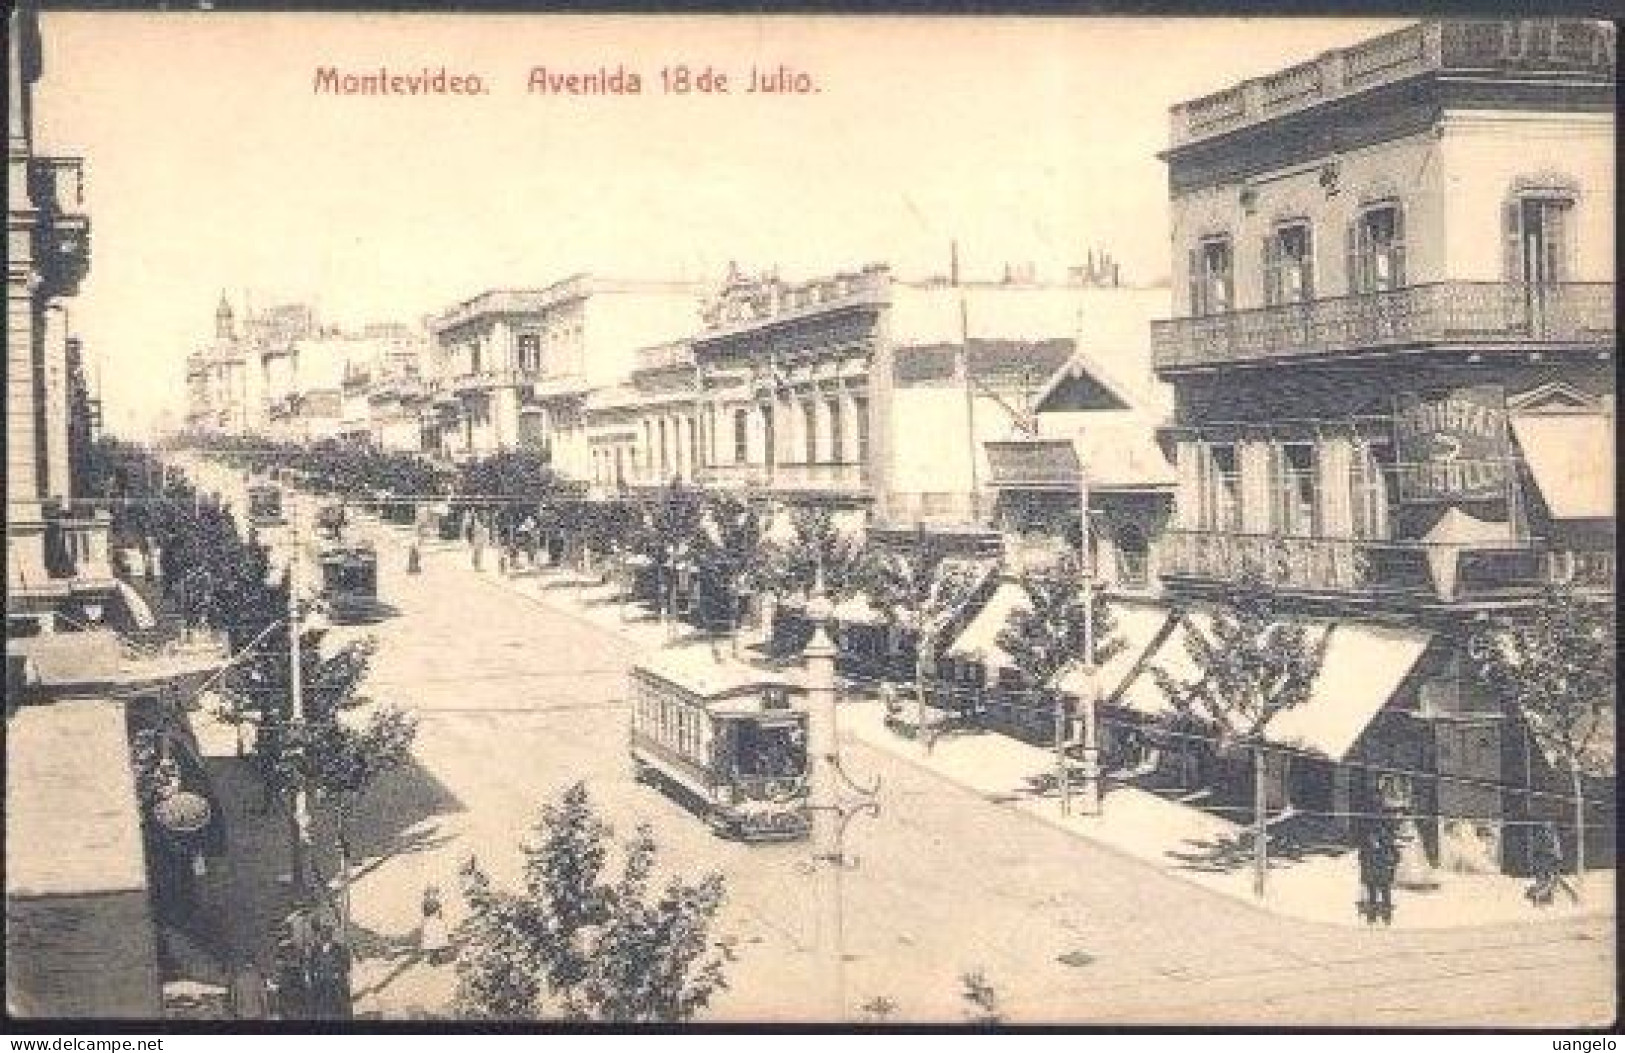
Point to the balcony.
(935, 508)
(1463, 314)
(732, 476)
(62, 236)
(842, 478)
(665, 356)
(1413, 570)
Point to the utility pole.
(1090, 804)
(970, 389)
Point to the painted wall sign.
(1452, 445)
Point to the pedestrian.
(1546, 865)
(478, 540)
(249, 997)
(414, 559)
(1378, 859)
(434, 939)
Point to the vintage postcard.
(627, 519)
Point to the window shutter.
(1511, 233)
(1307, 265)
(1352, 252)
(1272, 269)
(1195, 276)
(1398, 265)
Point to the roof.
(1124, 455)
(710, 673)
(73, 823)
(1571, 456)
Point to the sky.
(213, 164)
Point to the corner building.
(1393, 360)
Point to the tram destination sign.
(1451, 445)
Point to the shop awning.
(1137, 625)
(1571, 456)
(1361, 668)
(1141, 694)
(140, 612)
(979, 641)
(857, 610)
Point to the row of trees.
(217, 578)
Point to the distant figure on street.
(434, 939)
(1379, 858)
(414, 558)
(1546, 865)
(250, 999)
(478, 539)
(329, 970)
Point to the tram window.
(769, 751)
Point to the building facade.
(57, 570)
(1393, 355)
(513, 368)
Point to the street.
(517, 700)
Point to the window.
(741, 435)
(1373, 472)
(1221, 490)
(1538, 238)
(1133, 556)
(837, 428)
(1211, 282)
(1289, 265)
(860, 420)
(1294, 513)
(769, 440)
(1377, 250)
(530, 352)
(809, 430)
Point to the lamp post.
(830, 814)
(1089, 797)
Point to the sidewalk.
(1183, 841)
(1200, 847)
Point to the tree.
(733, 553)
(916, 588)
(1251, 665)
(1053, 634)
(580, 943)
(1554, 664)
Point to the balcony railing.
(1569, 49)
(1575, 313)
(732, 475)
(1350, 566)
(936, 508)
(665, 356)
(850, 476)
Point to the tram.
(265, 505)
(350, 580)
(726, 737)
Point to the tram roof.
(703, 672)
